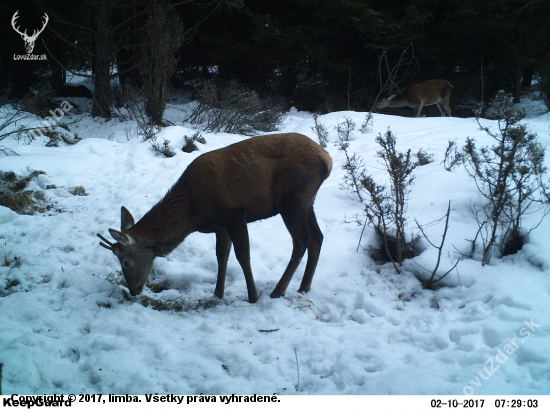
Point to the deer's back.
(429, 91)
(255, 175)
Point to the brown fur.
(423, 94)
(223, 190)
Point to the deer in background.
(220, 192)
(29, 40)
(423, 94)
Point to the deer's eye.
(126, 263)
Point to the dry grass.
(13, 193)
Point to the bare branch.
(439, 248)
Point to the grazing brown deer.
(223, 190)
(423, 94)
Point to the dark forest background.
(322, 55)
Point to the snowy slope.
(66, 326)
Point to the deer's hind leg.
(313, 251)
(443, 109)
(446, 106)
(296, 221)
(417, 109)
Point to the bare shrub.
(320, 130)
(344, 129)
(434, 276)
(395, 79)
(148, 132)
(387, 209)
(234, 109)
(355, 165)
(190, 142)
(163, 149)
(129, 103)
(423, 157)
(367, 124)
(509, 176)
(10, 260)
(453, 156)
(18, 116)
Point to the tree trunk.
(102, 94)
(517, 85)
(164, 35)
(127, 56)
(58, 76)
(527, 76)
(93, 23)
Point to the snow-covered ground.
(66, 326)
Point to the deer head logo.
(29, 40)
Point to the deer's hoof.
(275, 294)
(253, 299)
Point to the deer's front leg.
(223, 247)
(238, 233)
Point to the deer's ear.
(391, 97)
(126, 219)
(121, 238)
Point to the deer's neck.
(167, 224)
(399, 102)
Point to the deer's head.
(385, 102)
(29, 40)
(136, 258)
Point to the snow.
(66, 326)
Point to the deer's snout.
(136, 290)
